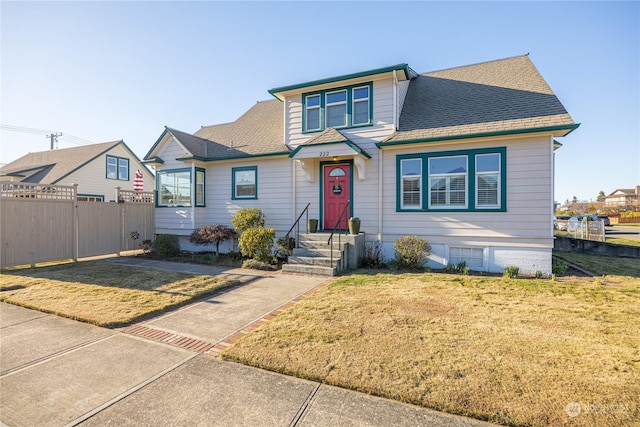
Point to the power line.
(48, 134)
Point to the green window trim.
(242, 186)
(170, 182)
(121, 168)
(316, 105)
(473, 196)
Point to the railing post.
(76, 223)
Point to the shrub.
(212, 234)
(511, 271)
(257, 242)
(247, 218)
(539, 274)
(372, 257)
(166, 245)
(284, 249)
(254, 264)
(411, 252)
(559, 267)
(146, 245)
(459, 268)
(210, 258)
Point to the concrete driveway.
(59, 372)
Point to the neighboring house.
(623, 197)
(97, 169)
(461, 157)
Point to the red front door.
(336, 194)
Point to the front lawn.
(510, 351)
(103, 294)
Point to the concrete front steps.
(313, 255)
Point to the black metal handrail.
(329, 241)
(297, 223)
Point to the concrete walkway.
(58, 372)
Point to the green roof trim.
(569, 127)
(351, 145)
(217, 159)
(399, 67)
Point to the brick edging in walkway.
(215, 348)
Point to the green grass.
(103, 294)
(510, 351)
(604, 265)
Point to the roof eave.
(563, 130)
(409, 74)
(218, 159)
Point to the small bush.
(247, 218)
(256, 243)
(459, 268)
(412, 252)
(212, 234)
(254, 264)
(511, 271)
(372, 257)
(539, 274)
(210, 258)
(559, 267)
(284, 249)
(166, 246)
(146, 245)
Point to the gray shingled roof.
(47, 167)
(258, 131)
(497, 96)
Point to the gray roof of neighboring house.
(497, 96)
(48, 167)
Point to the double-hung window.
(245, 182)
(338, 108)
(466, 180)
(448, 182)
(117, 168)
(177, 187)
(360, 109)
(312, 110)
(488, 180)
(411, 170)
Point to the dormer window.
(336, 105)
(337, 108)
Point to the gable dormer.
(349, 102)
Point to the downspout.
(395, 100)
(293, 180)
(193, 195)
(553, 184)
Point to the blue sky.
(104, 71)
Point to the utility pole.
(54, 138)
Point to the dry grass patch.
(509, 351)
(103, 294)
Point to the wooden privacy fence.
(40, 223)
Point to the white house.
(97, 169)
(461, 157)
